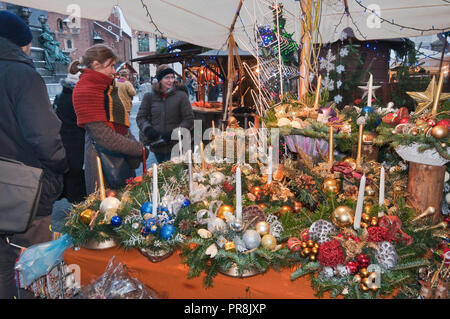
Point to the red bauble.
(404, 120)
(227, 187)
(444, 122)
(352, 267)
(304, 235)
(331, 254)
(431, 122)
(363, 260)
(377, 234)
(294, 244)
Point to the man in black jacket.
(29, 133)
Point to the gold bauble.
(256, 190)
(363, 272)
(310, 243)
(297, 206)
(86, 216)
(367, 281)
(365, 217)
(350, 161)
(316, 245)
(364, 287)
(303, 244)
(268, 242)
(312, 257)
(331, 185)
(369, 190)
(342, 216)
(262, 228)
(367, 208)
(306, 251)
(286, 209)
(262, 206)
(439, 131)
(374, 221)
(357, 278)
(364, 225)
(374, 288)
(314, 250)
(368, 138)
(223, 209)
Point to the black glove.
(151, 133)
(167, 136)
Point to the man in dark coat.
(29, 133)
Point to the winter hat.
(14, 29)
(163, 73)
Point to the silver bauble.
(251, 239)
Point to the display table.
(169, 277)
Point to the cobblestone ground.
(61, 208)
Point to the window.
(143, 43)
(60, 25)
(161, 43)
(69, 44)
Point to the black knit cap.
(14, 29)
(163, 73)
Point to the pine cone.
(184, 225)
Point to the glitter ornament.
(268, 242)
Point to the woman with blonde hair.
(100, 111)
(166, 108)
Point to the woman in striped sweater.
(100, 111)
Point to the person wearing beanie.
(126, 89)
(29, 133)
(163, 110)
(73, 139)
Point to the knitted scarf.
(95, 99)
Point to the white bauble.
(217, 225)
(216, 178)
(110, 205)
(447, 198)
(251, 239)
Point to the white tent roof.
(206, 22)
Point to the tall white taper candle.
(359, 204)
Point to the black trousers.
(39, 232)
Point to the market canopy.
(207, 22)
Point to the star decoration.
(425, 99)
(366, 90)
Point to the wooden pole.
(425, 187)
(303, 83)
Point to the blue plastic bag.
(37, 260)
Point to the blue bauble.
(186, 203)
(151, 226)
(116, 221)
(146, 208)
(163, 209)
(167, 231)
(367, 109)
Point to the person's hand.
(151, 133)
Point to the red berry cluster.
(227, 187)
(362, 261)
(331, 254)
(378, 234)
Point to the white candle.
(155, 190)
(381, 195)
(180, 145)
(191, 185)
(369, 93)
(359, 204)
(238, 194)
(269, 169)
